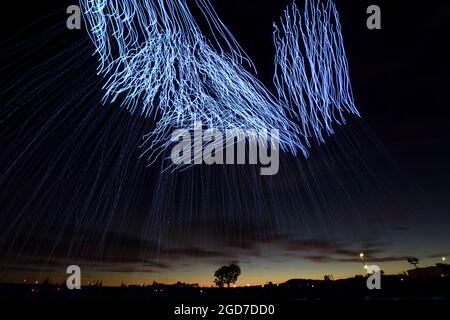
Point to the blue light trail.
(159, 64)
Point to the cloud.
(369, 260)
(121, 252)
(339, 251)
(193, 252)
(438, 255)
(401, 228)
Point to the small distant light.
(444, 258)
(36, 282)
(365, 267)
(361, 255)
(201, 291)
(401, 279)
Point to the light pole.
(361, 255)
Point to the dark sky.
(379, 186)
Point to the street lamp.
(361, 255)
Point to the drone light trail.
(159, 64)
(311, 67)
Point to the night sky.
(74, 191)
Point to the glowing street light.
(361, 255)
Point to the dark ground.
(291, 300)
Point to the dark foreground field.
(290, 300)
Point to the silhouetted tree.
(414, 261)
(227, 275)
